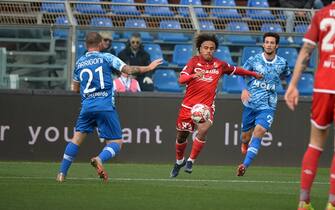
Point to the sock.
(196, 148)
(332, 182)
(109, 151)
(180, 151)
(308, 171)
(70, 153)
(254, 146)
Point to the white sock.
(179, 162)
(189, 159)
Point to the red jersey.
(203, 90)
(322, 31)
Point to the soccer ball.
(200, 113)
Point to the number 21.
(90, 78)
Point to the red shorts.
(184, 121)
(323, 114)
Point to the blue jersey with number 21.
(93, 71)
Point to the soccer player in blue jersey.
(259, 97)
(92, 77)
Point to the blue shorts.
(107, 122)
(251, 118)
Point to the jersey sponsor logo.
(90, 62)
(208, 77)
(264, 85)
(330, 63)
(96, 94)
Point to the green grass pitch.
(32, 185)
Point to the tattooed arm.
(292, 93)
(141, 69)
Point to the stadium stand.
(223, 53)
(61, 33)
(168, 36)
(118, 46)
(124, 9)
(231, 84)
(158, 10)
(305, 85)
(165, 80)
(137, 23)
(53, 7)
(155, 52)
(89, 8)
(181, 54)
(206, 25)
(260, 13)
(290, 54)
(225, 13)
(198, 11)
(239, 39)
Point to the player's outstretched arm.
(241, 71)
(292, 94)
(142, 69)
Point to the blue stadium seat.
(169, 36)
(118, 46)
(305, 84)
(247, 52)
(276, 28)
(101, 22)
(185, 11)
(166, 80)
(181, 54)
(239, 39)
(137, 23)
(80, 49)
(223, 53)
(261, 14)
(225, 13)
(124, 9)
(61, 33)
(231, 84)
(302, 29)
(159, 10)
(206, 25)
(312, 62)
(290, 54)
(89, 8)
(155, 52)
(53, 7)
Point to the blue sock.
(109, 151)
(70, 153)
(252, 151)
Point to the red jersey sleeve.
(312, 33)
(189, 68)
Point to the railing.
(39, 52)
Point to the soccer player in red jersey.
(322, 31)
(201, 76)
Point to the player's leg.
(84, 125)
(181, 143)
(248, 123)
(198, 144)
(109, 129)
(245, 140)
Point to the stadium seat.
(181, 54)
(290, 54)
(155, 52)
(101, 22)
(137, 23)
(305, 84)
(302, 29)
(231, 84)
(261, 14)
(80, 49)
(61, 33)
(225, 13)
(124, 9)
(118, 46)
(276, 28)
(198, 11)
(166, 80)
(158, 10)
(206, 25)
(53, 7)
(89, 8)
(169, 36)
(312, 62)
(223, 53)
(239, 39)
(247, 52)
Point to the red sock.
(332, 179)
(196, 148)
(309, 169)
(180, 150)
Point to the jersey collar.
(266, 61)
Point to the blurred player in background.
(259, 97)
(201, 76)
(92, 77)
(322, 31)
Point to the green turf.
(26, 185)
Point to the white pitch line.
(168, 180)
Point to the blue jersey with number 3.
(93, 71)
(263, 92)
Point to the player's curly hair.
(272, 34)
(206, 37)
